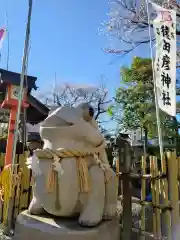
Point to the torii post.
(11, 102)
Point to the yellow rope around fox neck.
(51, 180)
(82, 166)
(83, 175)
(82, 171)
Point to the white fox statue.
(71, 174)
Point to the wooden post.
(125, 163)
(143, 195)
(153, 195)
(127, 207)
(173, 191)
(157, 198)
(166, 216)
(11, 102)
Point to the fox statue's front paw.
(35, 207)
(90, 218)
(110, 211)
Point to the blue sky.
(64, 39)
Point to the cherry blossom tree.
(128, 23)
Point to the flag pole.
(155, 89)
(54, 89)
(24, 67)
(8, 43)
(20, 98)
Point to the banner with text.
(165, 62)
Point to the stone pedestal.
(31, 227)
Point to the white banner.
(165, 62)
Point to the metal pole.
(155, 90)
(20, 97)
(8, 42)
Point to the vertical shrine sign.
(165, 62)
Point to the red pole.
(10, 139)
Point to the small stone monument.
(75, 190)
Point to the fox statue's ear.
(87, 111)
(87, 114)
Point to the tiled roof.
(14, 78)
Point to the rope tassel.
(51, 180)
(83, 175)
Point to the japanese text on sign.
(165, 62)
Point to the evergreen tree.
(136, 99)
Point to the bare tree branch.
(128, 22)
(73, 95)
